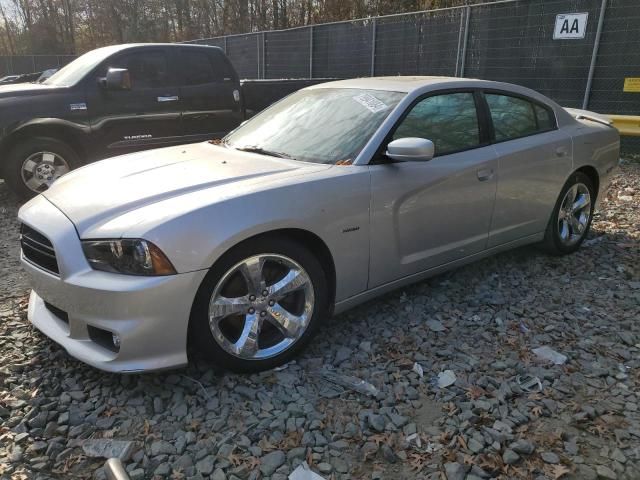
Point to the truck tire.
(33, 164)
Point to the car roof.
(407, 84)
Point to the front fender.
(334, 208)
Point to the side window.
(515, 117)
(147, 69)
(545, 118)
(449, 121)
(199, 69)
(221, 66)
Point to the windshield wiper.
(262, 151)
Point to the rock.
(107, 448)
(548, 354)
(342, 354)
(376, 422)
(218, 474)
(325, 468)
(205, 466)
(510, 457)
(475, 446)
(523, 447)
(270, 462)
(388, 454)
(161, 447)
(605, 472)
(435, 326)
(455, 471)
(550, 457)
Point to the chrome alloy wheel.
(261, 306)
(574, 214)
(41, 169)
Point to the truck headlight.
(130, 256)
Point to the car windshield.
(75, 71)
(322, 125)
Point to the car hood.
(22, 89)
(96, 194)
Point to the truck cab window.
(147, 70)
(199, 69)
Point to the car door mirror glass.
(117, 79)
(410, 149)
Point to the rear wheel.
(259, 305)
(572, 216)
(34, 164)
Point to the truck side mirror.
(117, 79)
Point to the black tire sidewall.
(21, 151)
(200, 336)
(553, 232)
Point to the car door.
(428, 213)
(210, 93)
(535, 158)
(148, 114)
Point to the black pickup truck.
(120, 99)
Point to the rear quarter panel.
(598, 146)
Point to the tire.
(52, 156)
(564, 235)
(224, 340)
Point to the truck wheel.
(35, 163)
(259, 305)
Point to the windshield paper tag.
(370, 102)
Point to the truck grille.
(38, 250)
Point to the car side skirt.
(387, 287)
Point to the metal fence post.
(465, 41)
(264, 54)
(225, 44)
(374, 27)
(459, 40)
(311, 51)
(594, 56)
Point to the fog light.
(116, 340)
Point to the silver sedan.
(334, 195)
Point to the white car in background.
(332, 196)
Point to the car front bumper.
(82, 308)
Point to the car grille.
(38, 250)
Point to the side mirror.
(411, 149)
(117, 79)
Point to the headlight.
(131, 256)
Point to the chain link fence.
(19, 64)
(510, 40)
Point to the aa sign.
(570, 26)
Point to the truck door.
(210, 94)
(147, 115)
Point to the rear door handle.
(485, 174)
(561, 152)
(172, 98)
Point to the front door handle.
(561, 152)
(485, 174)
(172, 98)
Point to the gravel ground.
(481, 323)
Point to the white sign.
(570, 26)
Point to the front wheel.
(571, 217)
(259, 305)
(35, 163)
